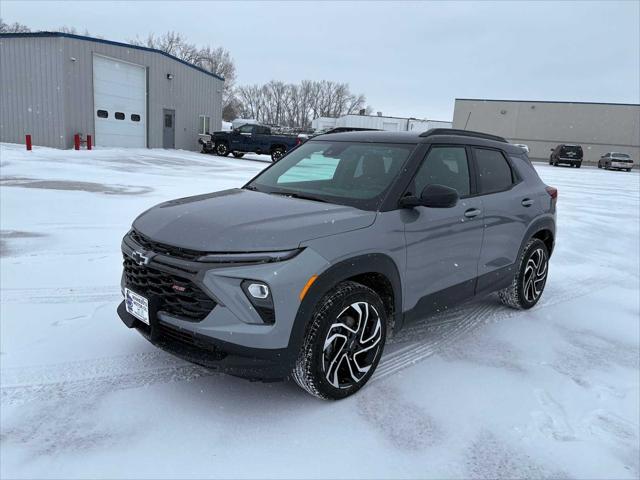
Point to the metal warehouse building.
(598, 127)
(56, 85)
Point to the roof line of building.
(389, 116)
(107, 42)
(544, 101)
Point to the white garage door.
(120, 101)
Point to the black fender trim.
(543, 223)
(345, 269)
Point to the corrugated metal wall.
(32, 91)
(599, 128)
(55, 74)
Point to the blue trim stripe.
(545, 101)
(107, 42)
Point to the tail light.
(553, 192)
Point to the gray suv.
(305, 271)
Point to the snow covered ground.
(481, 391)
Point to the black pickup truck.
(249, 139)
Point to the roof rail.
(464, 133)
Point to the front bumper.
(253, 364)
(233, 326)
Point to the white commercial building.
(378, 122)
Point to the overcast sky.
(409, 59)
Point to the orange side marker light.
(307, 286)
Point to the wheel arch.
(543, 229)
(376, 271)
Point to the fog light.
(259, 294)
(258, 290)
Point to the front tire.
(222, 149)
(343, 343)
(530, 278)
(277, 154)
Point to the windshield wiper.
(300, 195)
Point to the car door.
(262, 139)
(443, 244)
(510, 205)
(241, 138)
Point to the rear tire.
(222, 149)
(530, 278)
(343, 343)
(238, 154)
(599, 165)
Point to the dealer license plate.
(137, 305)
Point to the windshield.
(620, 155)
(355, 174)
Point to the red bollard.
(76, 141)
(88, 142)
(28, 142)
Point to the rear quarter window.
(494, 172)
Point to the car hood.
(240, 220)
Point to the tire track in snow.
(424, 338)
(20, 385)
(432, 335)
(57, 295)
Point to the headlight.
(256, 257)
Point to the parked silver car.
(307, 269)
(616, 161)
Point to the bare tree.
(219, 61)
(13, 27)
(215, 60)
(294, 105)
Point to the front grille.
(179, 296)
(148, 244)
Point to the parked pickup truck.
(249, 139)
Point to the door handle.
(472, 212)
(527, 202)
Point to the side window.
(446, 166)
(135, 117)
(246, 129)
(102, 114)
(119, 116)
(494, 172)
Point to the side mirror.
(433, 196)
(551, 149)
